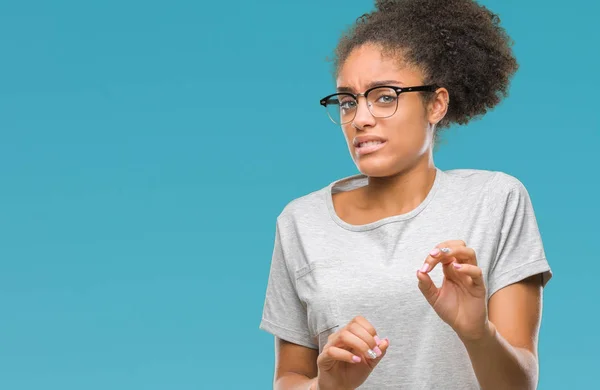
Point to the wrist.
(482, 339)
(316, 385)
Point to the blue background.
(147, 147)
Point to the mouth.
(368, 147)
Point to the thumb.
(427, 287)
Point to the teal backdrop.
(146, 149)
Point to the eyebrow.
(371, 85)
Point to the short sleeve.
(520, 252)
(284, 314)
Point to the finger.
(346, 339)
(475, 273)
(337, 354)
(451, 274)
(364, 335)
(463, 255)
(362, 321)
(451, 244)
(427, 287)
(446, 253)
(383, 345)
(437, 255)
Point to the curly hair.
(458, 44)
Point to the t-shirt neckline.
(359, 180)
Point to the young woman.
(406, 276)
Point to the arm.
(500, 333)
(295, 366)
(506, 356)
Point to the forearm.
(499, 365)
(294, 381)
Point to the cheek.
(409, 126)
(348, 133)
(409, 133)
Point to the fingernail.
(424, 268)
(377, 340)
(435, 252)
(355, 359)
(388, 341)
(457, 265)
(372, 354)
(378, 351)
(445, 250)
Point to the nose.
(363, 116)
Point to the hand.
(350, 356)
(461, 300)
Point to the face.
(401, 140)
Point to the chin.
(376, 167)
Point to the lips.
(367, 144)
(363, 139)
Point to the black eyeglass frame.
(398, 90)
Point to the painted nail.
(388, 341)
(435, 252)
(355, 359)
(457, 265)
(377, 340)
(372, 354)
(378, 351)
(424, 268)
(445, 250)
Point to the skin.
(402, 172)
(501, 339)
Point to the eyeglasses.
(382, 102)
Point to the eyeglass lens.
(381, 102)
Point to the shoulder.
(310, 206)
(497, 192)
(494, 183)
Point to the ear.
(438, 106)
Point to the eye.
(386, 99)
(347, 103)
(383, 96)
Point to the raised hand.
(461, 300)
(350, 356)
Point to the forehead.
(368, 63)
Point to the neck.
(403, 192)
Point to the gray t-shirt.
(324, 271)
